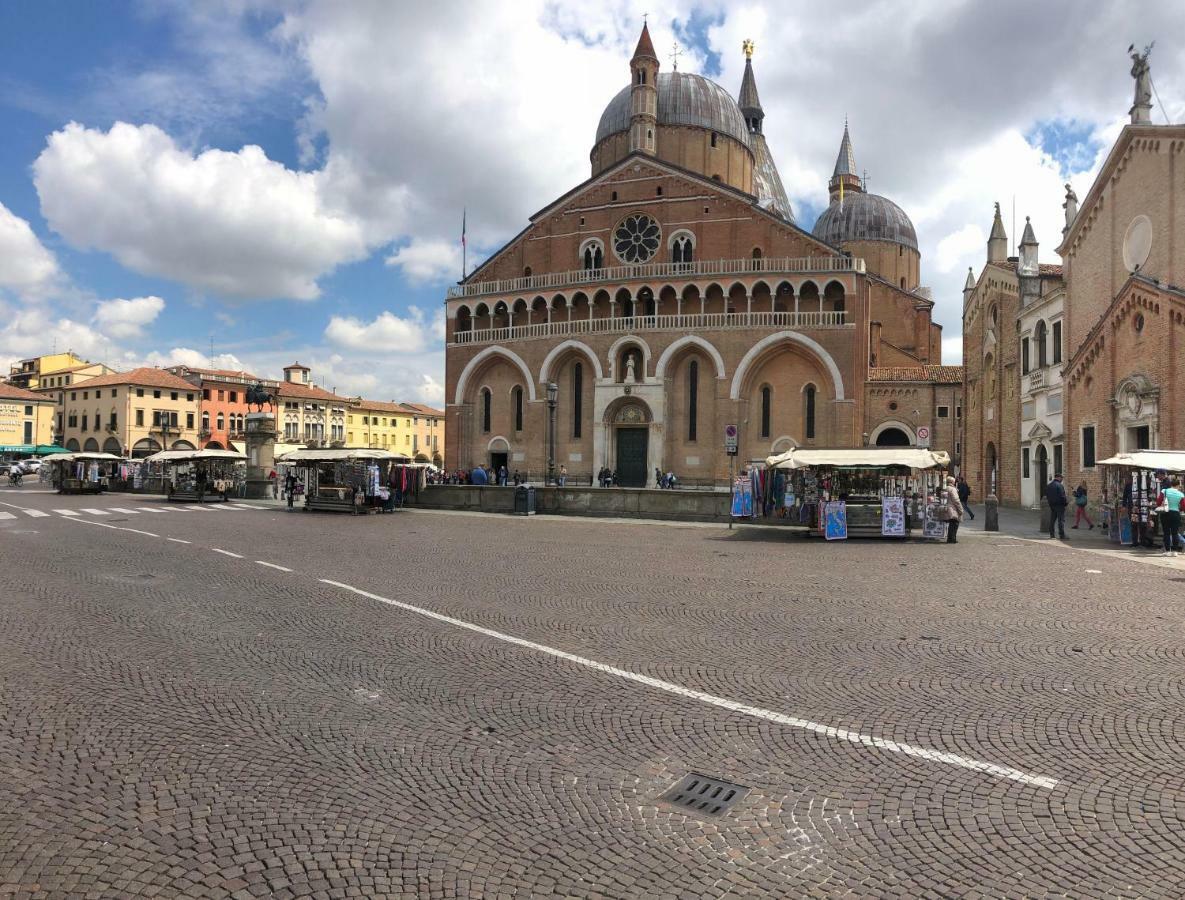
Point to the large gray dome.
(683, 99)
(865, 217)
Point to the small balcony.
(1037, 380)
(689, 322)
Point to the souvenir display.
(835, 518)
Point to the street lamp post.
(553, 391)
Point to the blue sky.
(284, 179)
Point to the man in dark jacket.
(1055, 494)
(964, 493)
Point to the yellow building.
(26, 420)
(408, 428)
(132, 413)
(427, 433)
(34, 374)
(379, 425)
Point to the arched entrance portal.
(629, 421)
(892, 437)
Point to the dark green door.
(631, 456)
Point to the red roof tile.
(309, 392)
(12, 392)
(936, 374)
(142, 377)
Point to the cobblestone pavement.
(998, 718)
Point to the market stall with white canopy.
(194, 476)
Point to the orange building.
(223, 404)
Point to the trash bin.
(524, 500)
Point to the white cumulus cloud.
(26, 266)
(386, 333)
(236, 224)
(428, 261)
(127, 318)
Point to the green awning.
(17, 448)
(49, 449)
(32, 449)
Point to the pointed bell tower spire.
(997, 245)
(749, 102)
(844, 179)
(644, 95)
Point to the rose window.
(636, 239)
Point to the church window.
(577, 398)
(658, 191)
(1024, 356)
(903, 283)
(1057, 342)
(613, 196)
(767, 394)
(692, 398)
(518, 408)
(527, 272)
(486, 403)
(636, 238)
(809, 403)
(713, 134)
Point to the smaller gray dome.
(865, 217)
(683, 99)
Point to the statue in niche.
(630, 373)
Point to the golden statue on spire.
(747, 46)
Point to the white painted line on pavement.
(66, 512)
(35, 513)
(120, 509)
(138, 531)
(842, 734)
(1094, 571)
(227, 553)
(7, 515)
(273, 565)
(251, 506)
(150, 509)
(179, 541)
(92, 511)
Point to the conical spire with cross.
(749, 102)
(844, 179)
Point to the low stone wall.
(625, 503)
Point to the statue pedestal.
(261, 454)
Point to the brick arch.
(621, 342)
(689, 340)
(474, 364)
(757, 350)
(559, 349)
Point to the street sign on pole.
(730, 440)
(923, 435)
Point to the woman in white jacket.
(952, 509)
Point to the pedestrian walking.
(563, 479)
(502, 476)
(952, 510)
(964, 495)
(290, 486)
(1170, 504)
(1055, 494)
(1080, 512)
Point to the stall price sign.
(923, 435)
(730, 440)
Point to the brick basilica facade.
(672, 294)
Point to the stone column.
(261, 453)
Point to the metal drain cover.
(704, 795)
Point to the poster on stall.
(742, 499)
(835, 520)
(933, 528)
(893, 516)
